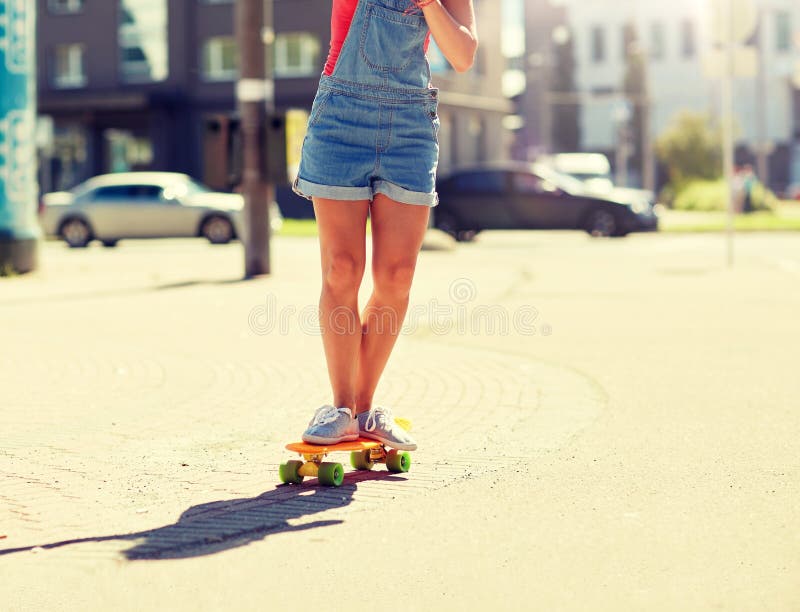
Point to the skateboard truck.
(364, 454)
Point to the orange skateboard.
(364, 454)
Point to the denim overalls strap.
(383, 54)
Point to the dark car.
(519, 195)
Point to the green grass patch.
(786, 217)
(302, 228)
(700, 195)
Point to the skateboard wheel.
(331, 474)
(361, 460)
(289, 472)
(398, 461)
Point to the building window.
(296, 54)
(220, 59)
(658, 41)
(69, 70)
(598, 44)
(65, 7)
(124, 151)
(143, 40)
(783, 31)
(71, 163)
(688, 43)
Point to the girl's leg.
(342, 236)
(397, 234)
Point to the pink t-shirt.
(341, 18)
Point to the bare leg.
(397, 234)
(342, 238)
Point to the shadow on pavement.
(221, 525)
(124, 291)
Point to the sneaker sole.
(320, 440)
(389, 443)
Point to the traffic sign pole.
(255, 94)
(726, 93)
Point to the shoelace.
(326, 414)
(372, 418)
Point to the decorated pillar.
(19, 230)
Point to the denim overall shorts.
(373, 126)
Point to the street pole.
(762, 84)
(648, 154)
(19, 231)
(547, 105)
(622, 118)
(268, 40)
(726, 100)
(254, 93)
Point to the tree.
(691, 148)
(635, 88)
(565, 126)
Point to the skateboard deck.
(304, 448)
(364, 454)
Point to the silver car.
(144, 205)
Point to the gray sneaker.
(331, 425)
(378, 424)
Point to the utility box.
(274, 160)
(222, 152)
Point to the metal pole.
(251, 92)
(268, 39)
(623, 148)
(726, 95)
(547, 106)
(762, 84)
(648, 155)
(621, 158)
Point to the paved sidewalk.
(602, 451)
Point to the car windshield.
(563, 181)
(81, 189)
(589, 176)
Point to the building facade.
(678, 40)
(543, 20)
(130, 84)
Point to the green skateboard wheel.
(361, 460)
(331, 474)
(398, 461)
(289, 472)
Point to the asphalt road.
(603, 424)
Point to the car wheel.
(446, 223)
(602, 223)
(466, 235)
(110, 243)
(217, 230)
(76, 233)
